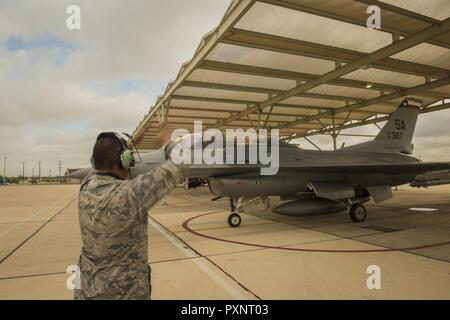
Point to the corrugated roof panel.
(428, 54)
(247, 123)
(438, 9)
(308, 126)
(383, 76)
(269, 59)
(379, 108)
(207, 105)
(289, 131)
(345, 91)
(314, 102)
(279, 118)
(295, 111)
(197, 114)
(220, 94)
(288, 23)
(241, 79)
(174, 119)
(444, 90)
(354, 115)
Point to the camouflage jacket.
(114, 231)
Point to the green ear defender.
(127, 159)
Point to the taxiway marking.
(290, 248)
(199, 261)
(33, 215)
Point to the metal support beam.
(268, 116)
(298, 76)
(221, 110)
(414, 90)
(357, 135)
(345, 121)
(312, 143)
(158, 114)
(333, 134)
(263, 41)
(229, 112)
(377, 55)
(254, 103)
(259, 118)
(270, 91)
(250, 120)
(374, 121)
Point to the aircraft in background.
(319, 182)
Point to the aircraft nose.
(149, 161)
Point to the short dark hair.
(106, 153)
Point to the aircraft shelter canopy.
(309, 67)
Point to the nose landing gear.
(234, 219)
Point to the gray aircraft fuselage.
(298, 168)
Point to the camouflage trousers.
(79, 294)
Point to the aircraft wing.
(415, 168)
(375, 168)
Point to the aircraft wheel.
(234, 220)
(358, 213)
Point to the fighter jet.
(318, 182)
(322, 182)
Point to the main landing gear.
(358, 213)
(234, 219)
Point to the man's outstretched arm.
(150, 187)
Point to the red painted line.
(189, 229)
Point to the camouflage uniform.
(114, 231)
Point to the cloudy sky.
(60, 88)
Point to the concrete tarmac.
(268, 257)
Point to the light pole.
(60, 166)
(4, 169)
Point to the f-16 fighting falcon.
(319, 182)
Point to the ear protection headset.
(125, 157)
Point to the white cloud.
(60, 88)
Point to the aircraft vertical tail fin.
(397, 134)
